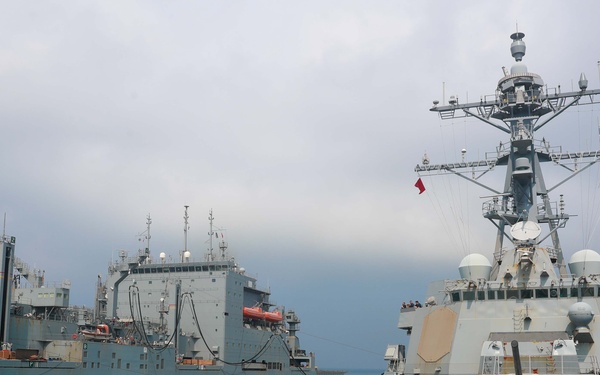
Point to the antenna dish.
(525, 230)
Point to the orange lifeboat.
(273, 316)
(253, 313)
(101, 333)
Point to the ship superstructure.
(151, 316)
(526, 293)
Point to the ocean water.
(364, 371)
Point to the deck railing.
(556, 365)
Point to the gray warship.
(525, 309)
(151, 316)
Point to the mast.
(148, 222)
(520, 106)
(185, 233)
(210, 234)
(144, 255)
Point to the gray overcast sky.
(299, 123)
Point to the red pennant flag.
(419, 185)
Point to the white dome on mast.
(475, 266)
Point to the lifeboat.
(273, 316)
(101, 333)
(253, 313)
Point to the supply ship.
(151, 316)
(522, 308)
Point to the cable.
(142, 331)
(187, 296)
(258, 354)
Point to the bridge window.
(500, 294)
(456, 297)
(512, 294)
(564, 292)
(541, 293)
(526, 293)
(491, 294)
(587, 292)
(469, 296)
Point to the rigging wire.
(456, 199)
(341, 343)
(588, 187)
(584, 213)
(593, 186)
(458, 227)
(436, 202)
(467, 201)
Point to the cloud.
(298, 123)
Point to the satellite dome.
(585, 262)
(475, 266)
(580, 314)
(518, 68)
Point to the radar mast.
(521, 106)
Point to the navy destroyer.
(525, 309)
(151, 316)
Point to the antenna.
(210, 234)
(148, 222)
(223, 246)
(444, 90)
(145, 236)
(185, 231)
